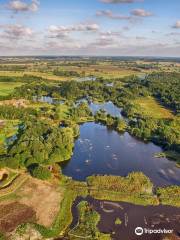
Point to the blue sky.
(90, 27)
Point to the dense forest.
(166, 88)
(39, 144)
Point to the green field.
(46, 75)
(148, 106)
(7, 88)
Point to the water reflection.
(131, 216)
(103, 151)
(109, 107)
(47, 99)
(84, 79)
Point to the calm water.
(102, 151)
(132, 216)
(47, 99)
(84, 79)
(109, 107)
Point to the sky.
(90, 27)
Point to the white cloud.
(16, 32)
(63, 45)
(21, 6)
(110, 33)
(63, 31)
(141, 13)
(110, 14)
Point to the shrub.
(41, 172)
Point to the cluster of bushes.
(87, 225)
(23, 79)
(163, 132)
(66, 73)
(136, 188)
(39, 143)
(169, 195)
(82, 111)
(113, 122)
(40, 172)
(11, 112)
(135, 182)
(29, 90)
(13, 68)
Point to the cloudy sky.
(90, 27)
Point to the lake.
(100, 150)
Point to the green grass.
(137, 199)
(135, 188)
(47, 75)
(39, 105)
(12, 175)
(2, 138)
(11, 196)
(14, 186)
(148, 106)
(118, 221)
(169, 195)
(7, 88)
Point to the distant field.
(7, 87)
(150, 107)
(48, 76)
(99, 69)
(11, 74)
(107, 71)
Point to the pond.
(109, 107)
(11, 140)
(84, 79)
(131, 216)
(100, 150)
(47, 99)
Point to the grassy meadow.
(148, 106)
(7, 88)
